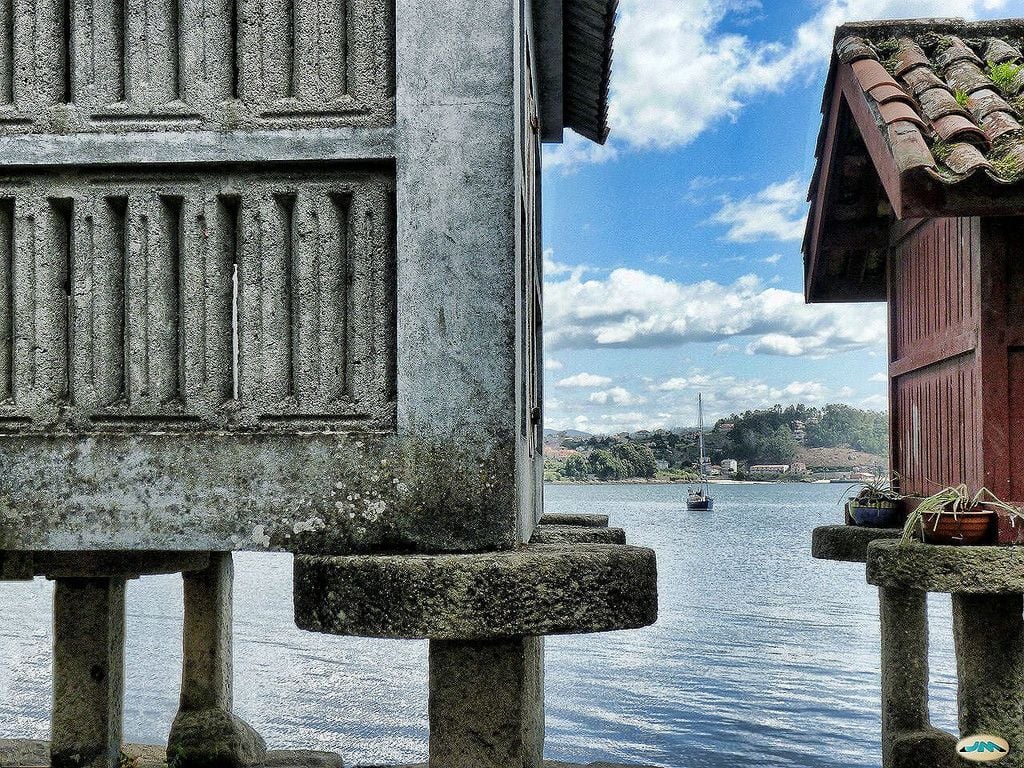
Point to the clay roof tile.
(955, 50)
(852, 48)
(870, 73)
(999, 51)
(958, 128)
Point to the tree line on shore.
(771, 436)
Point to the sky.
(672, 259)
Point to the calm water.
(761, 656)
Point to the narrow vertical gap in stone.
(63, 210)
(235, 53)
(7, 299)
(286, 215)
(7, 79)
(290, 26)
(342, 207)
(174, 224)
(231, 242)
(67, 51)
(118, 208)
(174, 54)
(119, 54)
(343, 30)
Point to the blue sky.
(672, 254)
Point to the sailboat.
(700, 498)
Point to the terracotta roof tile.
(908, 55)
(967, 76)
(957, 128)
(920, 79)
(941, 104)
(999, 124)
(870, 73)
(965, 159)
(888, 92)
(999, 51)
(954, 51)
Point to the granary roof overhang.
(574, 62)
(921, 118)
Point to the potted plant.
(877, 503)
(954, 516)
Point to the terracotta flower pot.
(962, 528)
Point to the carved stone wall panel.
(70, 66)
(206, 298)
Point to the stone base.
(929, 748)
(944, 568)
(213, 738)
(33, 753)
(847, 543)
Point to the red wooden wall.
(956, 354)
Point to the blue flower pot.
(878, 514)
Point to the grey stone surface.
(129, 564)
(16, 566)
(848, 543)
(941, 568)
(302, 758)
(205, 733)
(988, 635)
(927, 748)
(576, 534)
(534, 590)
(88, 673)
(24, 753)
(282, 145)
(903, 616)
(214, 738)
(486, 703)
(212, 65)
(562, 518)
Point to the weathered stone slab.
(35, 753)
(534, 590)
(129, 564)
(562, 518)
(848, 543)
(943, 568)
(576, 534)
(16, 566)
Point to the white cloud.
(677, 72)
(773, 259)
(550, 364)
(615, 396)
(880, 377)
(633, 308)
(552, 267)
(777, 212)
(584, 380)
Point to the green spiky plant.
(962, 97)
(953, 500)
(881, 487)
(1005, 76)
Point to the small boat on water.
(700, 499)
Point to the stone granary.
(270, 279)
(918, 200)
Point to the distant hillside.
(834, 438)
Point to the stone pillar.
(88, 672)
(205, 732)
(988, 633)
(487, 703)
(903, 615)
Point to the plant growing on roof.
(962, 97)
(953, 515)
(1004, 75)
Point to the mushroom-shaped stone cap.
(530, 591)
(945, 568)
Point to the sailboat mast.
(700, 432)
